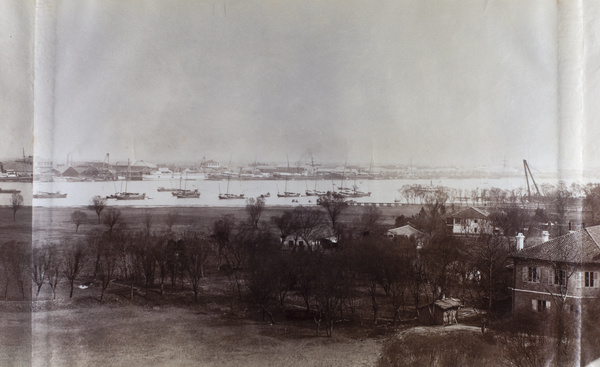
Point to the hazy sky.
(441, 82)
(16, 77)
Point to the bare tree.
(199, 250)
(16, 260)
(161, 254)
(98, 205)
(78, 217)
(431, 217)
(335, 207)
(148, 220)
(254, 208)
(40, 264)
(561, 196)
(74, 260)
(307, 223)
(489, 280)
(525, 341)
(108, 256)
(370, 219)
(111, 218)
(172, 219)
(265, 281)
(17, 202)
(54, 267)
(284, 222)
(331, 289)
(222, 233)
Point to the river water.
(81, 193)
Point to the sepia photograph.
(299, 183)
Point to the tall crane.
(527, 176)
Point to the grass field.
(53, 224)
(110, 335)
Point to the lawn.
(128, 335)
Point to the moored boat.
(9, 191)
(49, 195)
(165, 189)
(231, 196)
(188, 194)
(130, 196)
(288, 194)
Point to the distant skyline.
(443, 83)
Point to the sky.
(461, 83)
(16, 78)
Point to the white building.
(470, 221)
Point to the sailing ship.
(185, 193)
(353, 192)
(287, 194)
(314, 192)
(129, 195)
(188, 194)
(227, 195)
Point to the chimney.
(545, 236)
(520, 241)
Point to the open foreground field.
(125, 335)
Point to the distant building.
(42, 166)
(293, 242)
(469, 221)
(210, 164)
(408, 232)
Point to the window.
(560, 277)
(574, 309)
(475, 221)
(532, 275)
(539, 305)
(589, 279)
(291, 243)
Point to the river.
(382, 191)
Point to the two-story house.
(564, 271)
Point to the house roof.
(407, 231)
(582, 246)
(446, 303)
(470, 213)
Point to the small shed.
(441, 312)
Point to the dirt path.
(437, 330)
